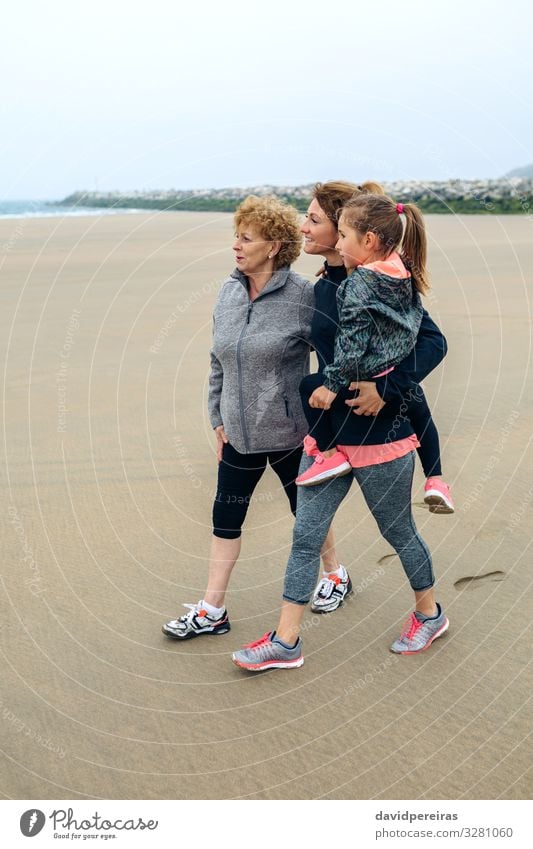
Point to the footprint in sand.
(471, 582)
(385, 558)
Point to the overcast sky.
(157, 94)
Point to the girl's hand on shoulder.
(222, 439)
(369, 402)
(322, 398)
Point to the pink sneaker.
(438, 496)
(324, 469)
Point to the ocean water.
(43, 209)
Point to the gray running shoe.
(268, 653)
(419, 633)
(330, 592)
(195, 623)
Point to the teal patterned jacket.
(379, 319)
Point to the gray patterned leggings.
(386, 489)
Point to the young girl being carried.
(379, 317)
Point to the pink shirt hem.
(372, 455)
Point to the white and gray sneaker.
(268, 652)
(419, 632)
(330, 592)
(195, 623)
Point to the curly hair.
(276, 221)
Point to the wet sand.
(106, 488)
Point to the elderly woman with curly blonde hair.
(261, 347)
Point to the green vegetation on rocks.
(485, 197)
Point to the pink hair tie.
(399, 208)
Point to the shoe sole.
(192, 634)
(269, 664)
(439, 633)
(348, 592)
(438, 504)
(327, 476)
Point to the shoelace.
(260, 642)
(195, 609)
(327, 585)
(411, 627)
(310, 446)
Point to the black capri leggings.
(238, 476)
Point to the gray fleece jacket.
(260, 354)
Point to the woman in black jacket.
(399, 389)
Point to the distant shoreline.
(481, 197)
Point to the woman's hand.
(322, 398)
(369, 402)
(222, 439)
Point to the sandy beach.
(107, 484)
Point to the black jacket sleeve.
(430, 349)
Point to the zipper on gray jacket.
(241, 389)
(239, 369)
